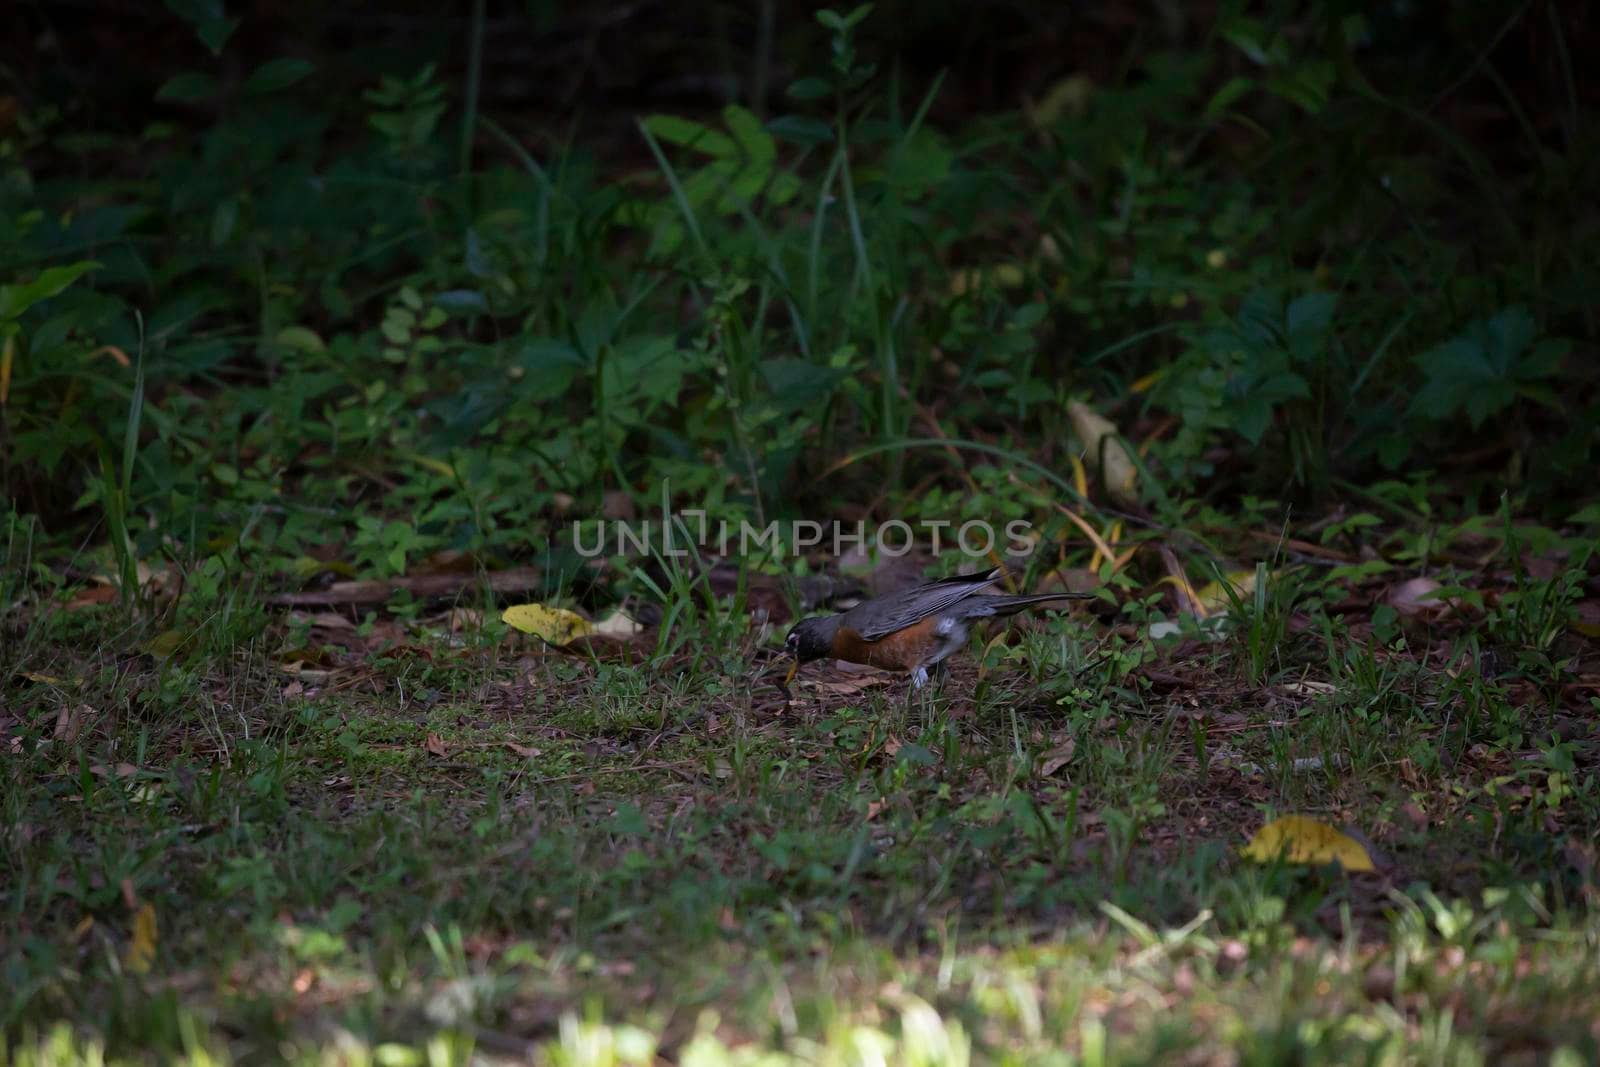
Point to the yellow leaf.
(1100, 546)
(165, 645)
(1214, 598)
(306, 568)
(118, 356)
(142, 949)
(1144, 384)
(438, 466)
(1300, 839)
(555, 625)
(1104, 451)
(998, 275)
(1069, 96)
(1080, 477)
(1008, 276)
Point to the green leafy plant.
(741, 168)
(1488, 367)
(406, 111)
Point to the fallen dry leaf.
(1303, 840)
(300, 670)
(1214, 598)
(1309, 688)
(1413, 814)
(165, 645)
(556, 626)
(68, 722)
(617, 624)
(1104, 451)
(435, 745)
(464, 620)
(91, 596)
(1056, 758)
(1415, 597)
(322, 620)
(847, 686)
(142, 946)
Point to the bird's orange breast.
(903, 650)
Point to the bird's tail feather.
(1010, 605)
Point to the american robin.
(913, 629)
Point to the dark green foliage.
(1328, 277)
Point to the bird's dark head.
(812, 638)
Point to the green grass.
(1041, 862)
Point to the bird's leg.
(929, 695)
(919, 682)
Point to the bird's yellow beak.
(794, 668)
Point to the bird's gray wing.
(880, 618)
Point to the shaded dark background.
(1479, 112)
(581, 71)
